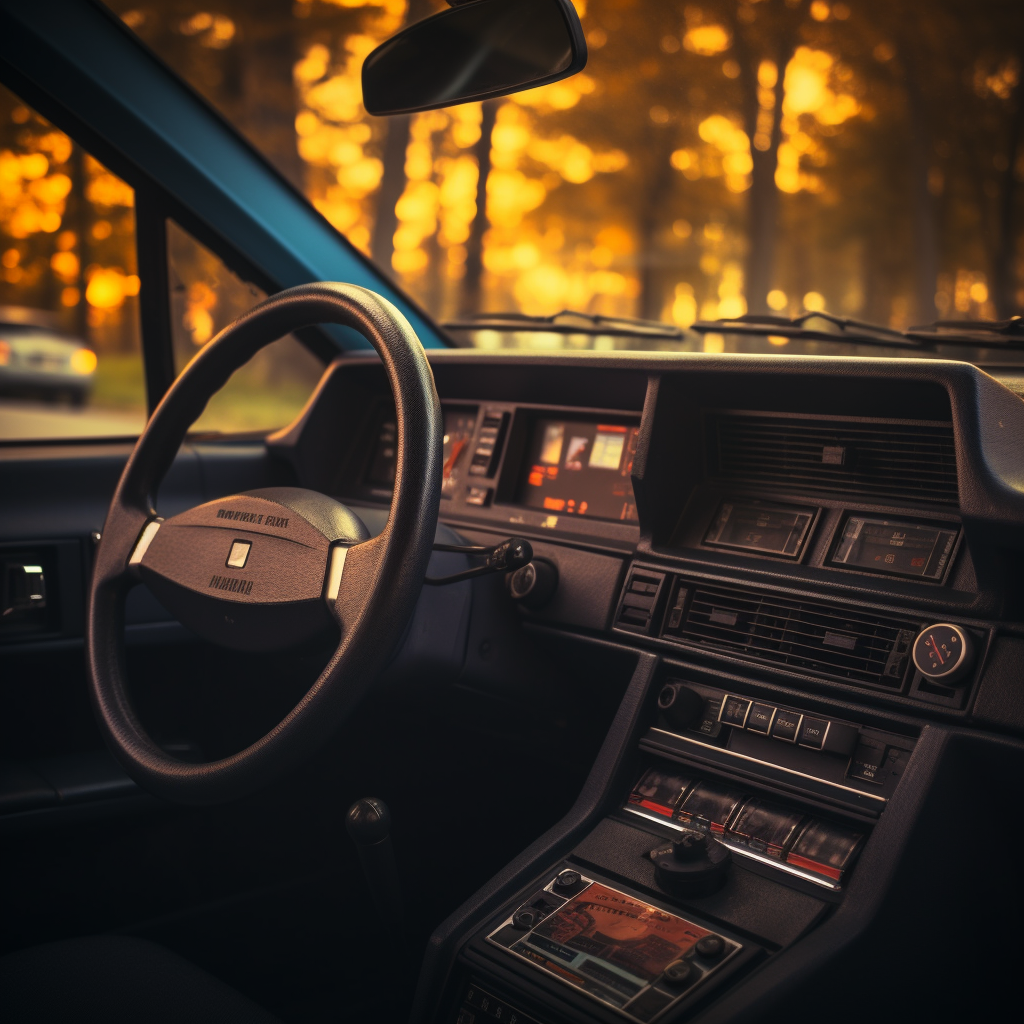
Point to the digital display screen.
(580, 468)
(755, 526)
(895, 548)
(613, 946)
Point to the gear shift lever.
(368, 822)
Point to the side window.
(206, 296)
(70, 341)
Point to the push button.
(734, 711)
(786, 725)
(825, 849)
(841, 739)
(709, 724)
(812, 733)
(867, 763)
(238, 555)
(760, 718)
(640, 585)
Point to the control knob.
(680, 705)
(692, 865)
(944, 653)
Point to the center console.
(731, 827)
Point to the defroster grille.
(902, 462)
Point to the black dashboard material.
(801, 527)
(805, 518)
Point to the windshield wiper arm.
(562, 323)
(850, 330)
(979, 333)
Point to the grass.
(119, 383)
(248, 402)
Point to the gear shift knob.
(368, 822)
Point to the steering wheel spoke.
(351, 580)
(272, 568)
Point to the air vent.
(907, 463)
(639, 601)
(844, 643)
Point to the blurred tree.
(470, 299)
(766, 36)
(714, 156)
(396, 141)
(1005, 271)
(240, 56)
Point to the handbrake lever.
(508, 556)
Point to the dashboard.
(819, 562)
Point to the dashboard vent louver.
(844, 643)
(910, 463)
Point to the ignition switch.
(534, 584)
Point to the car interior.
(647, 684)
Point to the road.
(24, 419)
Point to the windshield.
(714, 159)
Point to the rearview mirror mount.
(474, 51)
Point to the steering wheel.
(267, 569)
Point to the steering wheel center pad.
(250, 571)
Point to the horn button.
(248, 572)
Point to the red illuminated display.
(582, 468)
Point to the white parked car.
(40, 362)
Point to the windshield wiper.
(1008, 334)
(979, 333)
(563, 323)
(850, 331)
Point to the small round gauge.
(944, 653)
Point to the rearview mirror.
(474, 51)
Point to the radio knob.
(944, 653)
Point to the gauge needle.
(935, 648)
(453, 458)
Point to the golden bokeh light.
(707, 40)
(83, 361)
(634, 187)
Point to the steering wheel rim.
(382, 576)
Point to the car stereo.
(613, 946)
